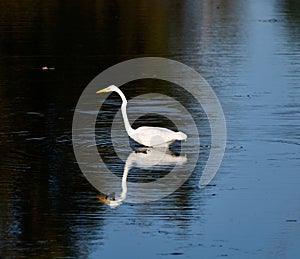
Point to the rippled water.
(248, 51)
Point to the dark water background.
(249, 52)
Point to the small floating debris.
(268, 20)
(48, 68)
(291, 220)
(176, 253)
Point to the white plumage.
(147, 136)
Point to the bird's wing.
(153, 136)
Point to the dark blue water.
(249, 53)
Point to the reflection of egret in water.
(144, 158)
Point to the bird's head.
(111, 88)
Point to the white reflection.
(144, 158)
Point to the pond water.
(248, 51)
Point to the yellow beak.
(102, 90)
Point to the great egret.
(147, 136)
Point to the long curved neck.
(128, 127)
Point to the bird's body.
(156, 136)
(145, 135)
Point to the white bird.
(147, 136)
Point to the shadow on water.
(249, 53)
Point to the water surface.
(249, 53)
